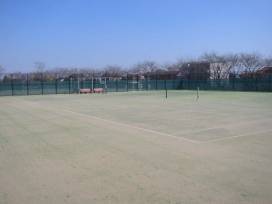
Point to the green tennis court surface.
(136, 147)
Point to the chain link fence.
(13, 87)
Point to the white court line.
(117, 123)
(236, 124)
(131, 126)
(237, 136)
(148, 130)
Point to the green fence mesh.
(72, 86)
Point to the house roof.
(265, 69)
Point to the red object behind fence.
(99, 90)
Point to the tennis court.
(136, 147)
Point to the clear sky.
(86, 33)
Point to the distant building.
(195, 71)
(262, 73)
(265, 70)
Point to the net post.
(197, 93)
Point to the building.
(265, 70)
(195, 71)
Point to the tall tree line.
(221, 66)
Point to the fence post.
(12, 86)
(70, 85)
(42, 82)
(92, 82)
(116, 85)
(165, 87)
(78, 88)
(56, 85)
(82, 84)
(270, 82)
(156, 81)
(127, 82)
(137, 82)
(256, 84)
(105, 84)
(146, 84)
(27, 84)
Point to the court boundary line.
(132, 126)
(166, 134)
(237, 136)
(117, 123)
(145, 129)
(213, 128)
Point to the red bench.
(95, 90)
(85, 91)
(99, 90)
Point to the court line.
(236, 124)
(131, 126)
(144, 129)
(115, 122)
(237, 136)
(162, 133)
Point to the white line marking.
(116, 123)
(237, 136)
(131, 126)
(236, 124)
(148, 130)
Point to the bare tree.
(250, 62)
(221, 66)
(217, 65)
(145, 67)
(88, 73)
(232, 62)
(268, 61)
(59, 72)
(39, 67)
(176, 66)
(113, 71)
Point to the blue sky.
(95, 33)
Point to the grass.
(136, 147)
